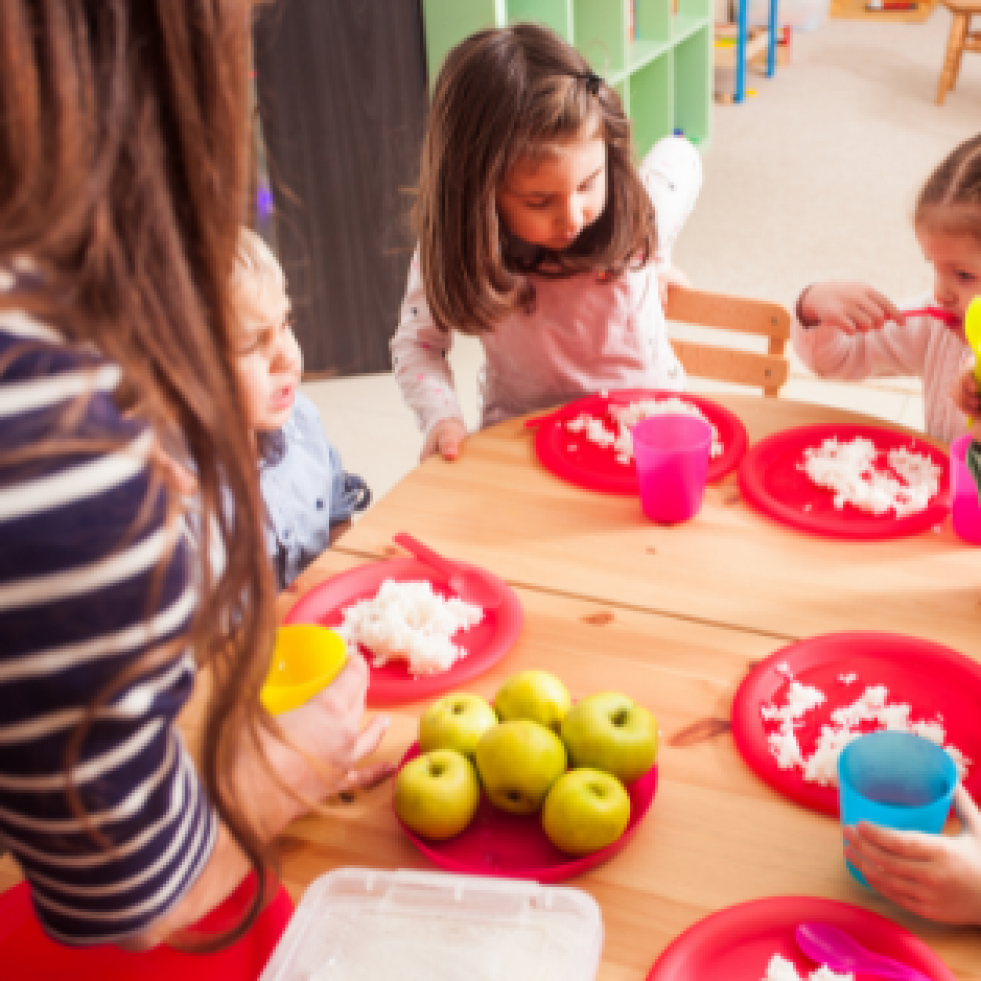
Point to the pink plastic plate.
(736, 944)
(771, 481)
(929, 678)
(391, 684)
(571, 457)
(514, 846)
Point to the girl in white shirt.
(537, 234)
(850, 331)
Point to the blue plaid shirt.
(305, 490)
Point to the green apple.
(518, 762)
(611, 732)
(436, 794)
(456, 721)
(534, 695)
(585, 810)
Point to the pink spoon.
(470, 585)
(826, 944)
(938, 313)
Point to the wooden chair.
(961, 39)
(771, 320)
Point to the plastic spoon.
(470, 585)
(972, 330)
(938, 313)
(826, 944)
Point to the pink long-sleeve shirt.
(585, 334)
(922, 347)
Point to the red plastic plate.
(513, 846)
(736, 944)
(771, 481)
(928, 677)
(573, 458)
(391, 684)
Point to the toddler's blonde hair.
(258, 284)
(950, 200)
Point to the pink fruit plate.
(512, 846)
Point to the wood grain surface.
(499, 508)
(674, 618)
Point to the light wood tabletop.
(499, 508)
(674, 617)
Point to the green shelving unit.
(662, 69)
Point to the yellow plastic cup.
(306, 660)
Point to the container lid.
(369, 925)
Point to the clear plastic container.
(368, 925)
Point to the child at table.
(537, 234)
(308, 497)
(851, 331)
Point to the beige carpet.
(816, 175)
(858, 10)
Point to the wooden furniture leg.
(955, 47)
(965, 40)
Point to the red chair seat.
(26, 951)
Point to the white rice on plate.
(593, 428)
(780, 969)
(847, 722)
(409, 621)
(849, 469)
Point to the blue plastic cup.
(896, 780)
(672, 454)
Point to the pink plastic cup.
(965, 510)
(672, 454)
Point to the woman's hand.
(934, 876)
(333, 728)
(445, 438)
(966, 393)
(851, 307)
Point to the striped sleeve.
(92, 578)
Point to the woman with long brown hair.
(123, 152)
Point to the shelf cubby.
(662, 68)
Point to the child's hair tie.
(593, 82)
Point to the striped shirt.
(92, 577)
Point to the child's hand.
(445, 438)
(934, 876)
(668, 277)
(851, 307)
(966, 393)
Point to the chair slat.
(722, 312)
(739, 367)
(728, 312)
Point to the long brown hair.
(123, 172)
(950, 200)
(500, 96)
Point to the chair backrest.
(767, 371)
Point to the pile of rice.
(849, 470)
(626, 416)
(847, 723)
(780, 969)
(408, 621)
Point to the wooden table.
(674, 617)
